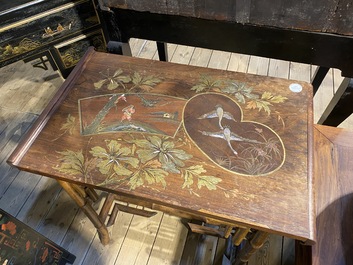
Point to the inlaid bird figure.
(166, 115)
(227, 135)
(218, 113)
(127, 112)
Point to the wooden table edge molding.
(42, 120)
(83, 199)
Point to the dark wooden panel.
(316, 15)
(300, 46)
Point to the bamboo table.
(227, 148)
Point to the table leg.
(250, 247)
(88, 210)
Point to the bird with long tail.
(218, 113)
(227, 135)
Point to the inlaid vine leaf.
(113, 81)
(151, 172)
(240, 91)
(206, 83)
(267, 99)
(210, 182)
(100, 83)
(273, 98)
(188, 179)
(69, 125)
(135, 181)
(155, 175)
(120, 77)
(189, 174)
(260, 105)
(72, 163)
(144, 82)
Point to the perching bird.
(218, 113)
(127, 112)
(166, 115)
(229, 136)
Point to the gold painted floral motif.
(241, 92)
(118, 79)
(138, 162)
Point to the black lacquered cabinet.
(57, 31)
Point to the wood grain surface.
(334, 202)
(173, 170)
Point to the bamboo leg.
(106, 206)
(250, 247)
(228, 231)
(80, 190)
(88, 210)
(92, 194)
(240, 235)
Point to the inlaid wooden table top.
(230, 146)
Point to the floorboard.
(42, 204)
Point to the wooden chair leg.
(92, 194)
(239, 235)
(340, 106)
(162, 51)
(318, 77)
(87, 208)
(118, 47)
(250, 247)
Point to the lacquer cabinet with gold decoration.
(56, 32)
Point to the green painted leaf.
(142, 143)
(112, 85)
(69, 124)
(136, 181)
(155, 175)
(196, 170)
(98, 151)
(99, 84)
(104, 166)
(210, 182)
(198, 88)
(188, 179)
(169, 166)
(167, 145)
(134, 162)
(73, 163)
(117, 72)
(121, 171)
(144, 82)
(146, 155)
(155, 141)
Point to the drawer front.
(61, 23)
(68, 54)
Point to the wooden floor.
(40, 202)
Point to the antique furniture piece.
(333, 169)
(314, 32)
(58, 32)
(230, 149)
(20, 244)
